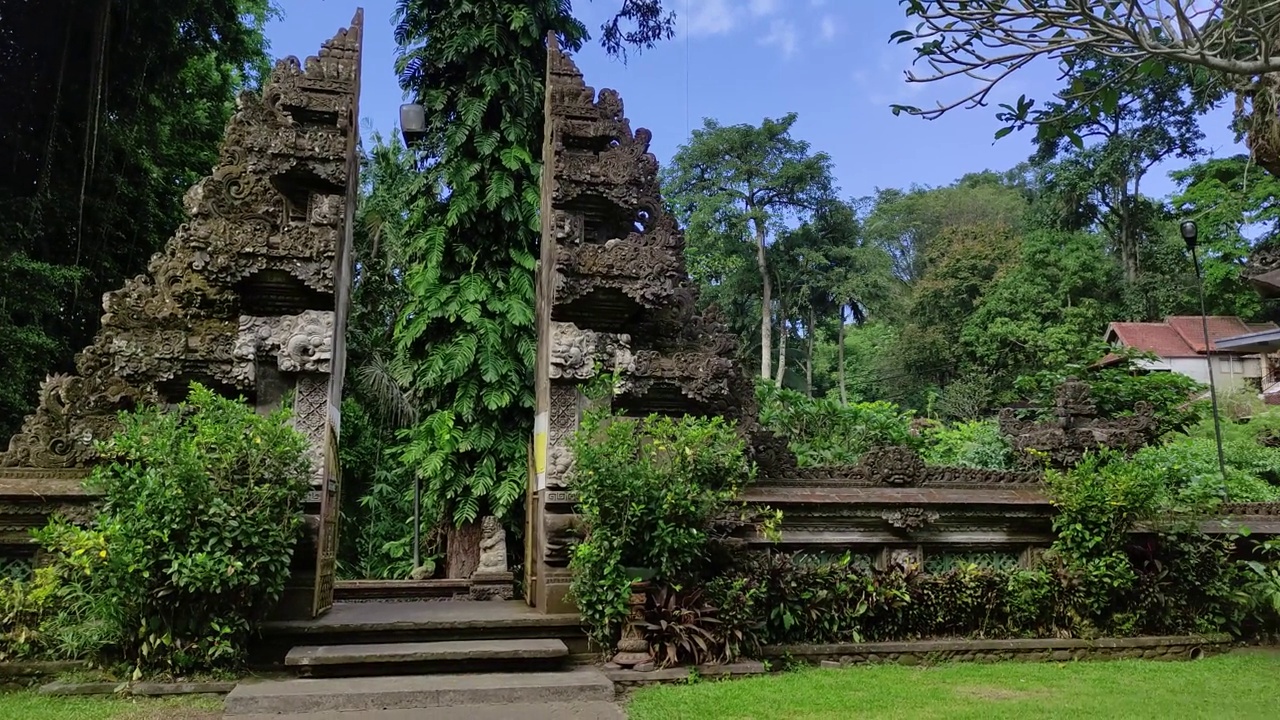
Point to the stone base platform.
(403, 658)
(925, 652)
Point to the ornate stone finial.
(1075, 429)
(1074, 399)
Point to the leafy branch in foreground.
(1232, 43)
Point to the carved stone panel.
(564, 413)
(311, 418)
(301, 343)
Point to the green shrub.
(651, 492)
(824, 432)
(1191, 471)
(976, 444)
(25, 608)
(200, 516)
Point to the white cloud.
(760, 8)
(710, 17)
(783, 35)
(827, 28)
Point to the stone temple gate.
(249, 297)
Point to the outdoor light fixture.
(413, 127)
(413, 123)
(1190, 233)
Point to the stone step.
(412, 657)
(589, 710)
(401, 692)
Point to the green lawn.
(30, 706)
(1240, 685)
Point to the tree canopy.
(113, 110)
(1230, 46)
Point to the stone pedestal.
(492, 586)
(633, 650)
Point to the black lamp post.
(413, 123)
(413, 127)
(1189, 235)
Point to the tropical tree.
(740, 184)
(1234, 43)
(853, 278)
(1237, 209)
(465, 336)
(1100, 156)
(906, 223)
(465, 332)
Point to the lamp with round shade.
(413, 123)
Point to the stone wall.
(925, 652)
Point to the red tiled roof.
(1156, 338)
(1180, 335)
(1220, 326)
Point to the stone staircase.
(581, 693)
(443, 659)
(406, 658)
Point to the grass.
(29, 705)
(1239, 686)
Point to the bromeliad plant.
(682, 627)
(652, 494)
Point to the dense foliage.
(467, 322)
(1128, 558)
(191, 548)
(825, 432)
(1098, 578)
(114, 109)
(653, 494)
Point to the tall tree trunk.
(844, 394)
(462, 550)
(808, 355)
(766, 300)
(1128, 243)
(783, 335)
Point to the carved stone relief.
(910, 518)
(299, 343)
(311, 418)
(576, 352)
(1075, 429)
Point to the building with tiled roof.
(1179, 346)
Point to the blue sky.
(742, 60)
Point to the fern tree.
(466, 334)
(467, 329)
